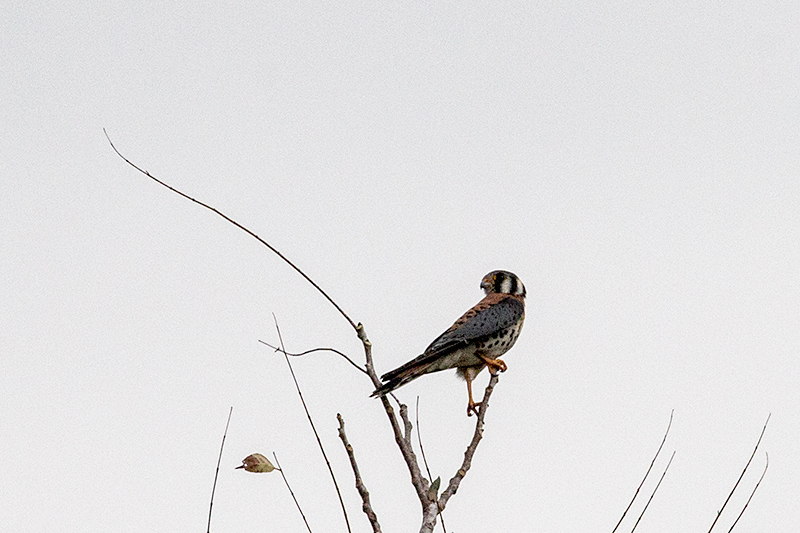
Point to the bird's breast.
(499, 342)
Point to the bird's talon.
(495, 366)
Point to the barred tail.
(398, 378)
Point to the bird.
(474, 342)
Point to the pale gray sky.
(635, 164)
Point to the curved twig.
(310, 421)
(241, 227)
(216, 475)
(654, 493)
(751, 494)
(635, 494)
(279, 349)
(719, 513)
(425, 462)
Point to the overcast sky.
(635, 164)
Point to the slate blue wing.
(496, 317)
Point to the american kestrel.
(474, 341)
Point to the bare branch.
(406, 422)
(646, 473)
(751, 495)
(216, 475)
(654, 493)
(286, 481)
(279, 349)
(369, 366)
(452, 487)
(360, 487)
(311, 422)
(417, 479)
(719, 513)
(241, 227)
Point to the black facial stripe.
(513, 285)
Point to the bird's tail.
(398, 378)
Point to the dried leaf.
(256, 463)
(433, 490)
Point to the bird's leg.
(472, 407)
(494, 365)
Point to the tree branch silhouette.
(753, 493)
(635, 494)
(719, 513)
(312, 350)
(652, 495)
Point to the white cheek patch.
(505, 286)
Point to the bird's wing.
(494, 313)
(486, 318)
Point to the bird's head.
(503, 282)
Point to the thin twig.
(654, 493)
(425, 462)
(360, 487)
(310, 421)
(286, 481)
(419, 440)
(751, 494)
(646, 473)
(216, 475)
(238, 225)
(719, 513)
(278, 349)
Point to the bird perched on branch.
(474, 341)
